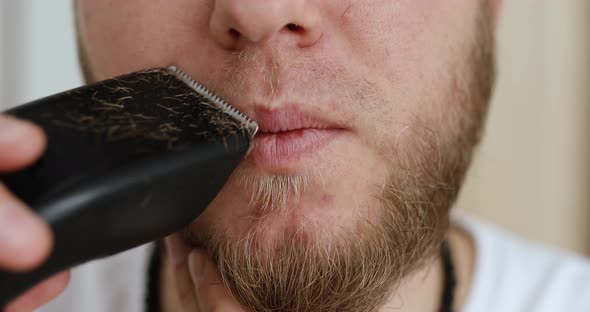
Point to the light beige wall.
(533, 170)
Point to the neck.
(422, 291)
(419, 292)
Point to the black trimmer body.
(129, 160)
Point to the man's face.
(369, 111)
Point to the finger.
(25, 239)
(178, 250)
(40, 294)
(21, 143)
(210, 291)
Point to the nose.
(237, 22)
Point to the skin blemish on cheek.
(327, 200)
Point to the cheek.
(125, 36)
(404, 50)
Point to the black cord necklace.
(450, 278)
(447, 300)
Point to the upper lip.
(289, 118)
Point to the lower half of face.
(391, 99)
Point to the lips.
(287, 135)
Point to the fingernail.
(197, 261)
(11, 129)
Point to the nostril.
(234, 33)
(294, 27)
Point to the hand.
(199, 286)
(25, 240)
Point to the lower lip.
(276, 150)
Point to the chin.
(309, 206)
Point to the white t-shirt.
(514, 275)
(510, 275)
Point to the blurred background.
(532, 173)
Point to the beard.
(360, 267)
